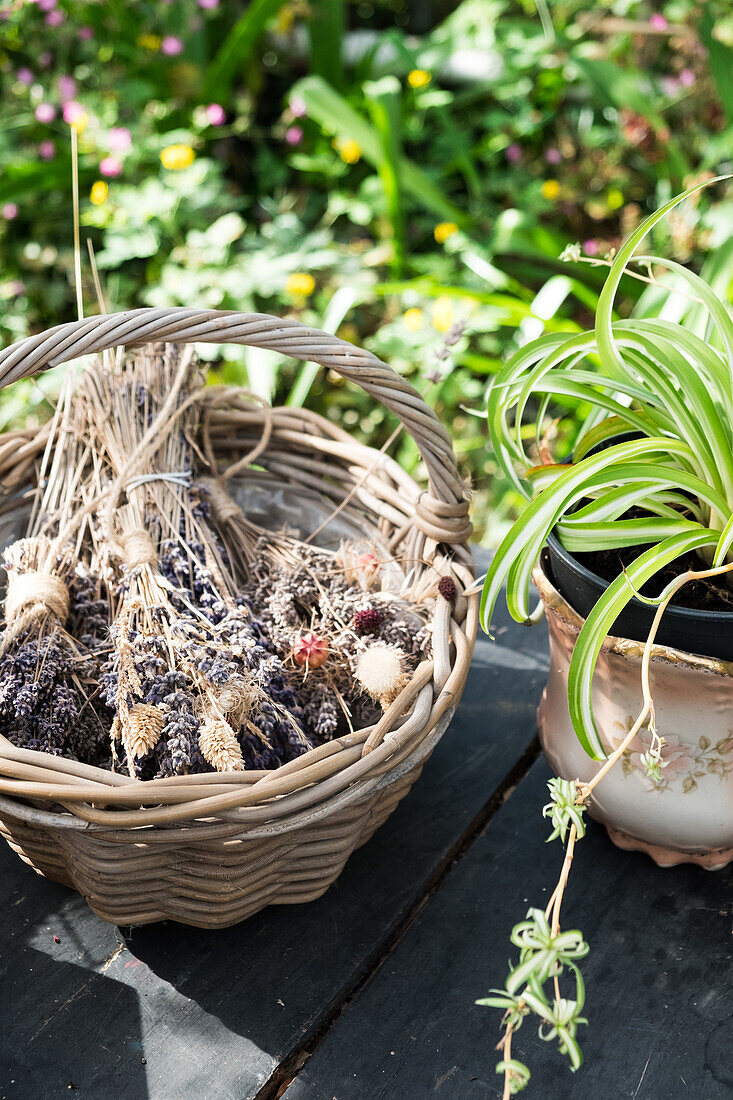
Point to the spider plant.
(669, 384)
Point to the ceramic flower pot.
(688, 816)
(708, 632)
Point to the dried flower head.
(381, 669)
(237, 698)
(447, 589)
(310, 650)
(360, 567)
(143, 729)
(368, 620)
(219, 746)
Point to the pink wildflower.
(171, 46)
(110, 167)
(67, 88)
(119, 139)
(45, 112)
(72, 111)
(216, 114)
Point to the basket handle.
(442, 513)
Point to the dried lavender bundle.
(48, 675)
(55, 613)
(193, 684)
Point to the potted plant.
(630, 544)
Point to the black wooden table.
(370, 991)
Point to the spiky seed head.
(381, 669)
(144, 727)
(310, 649)
(219, 746)
(368, 561)
(360, 567)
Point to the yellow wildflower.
(413, 320)
(300, 284)
(79, 122)
(98, 193)
(442, 314)
(418, 78)
(615, 198)
(348, 332)
(444, 230)
(348, 149)
(177, 156)
(550, 190)
(285, 19)
(150, 42)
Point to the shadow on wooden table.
(67, 1024)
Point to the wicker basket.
(209, 850)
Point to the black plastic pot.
(707, 633)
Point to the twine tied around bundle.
(30, 597)
(224, 507)
(138, 549)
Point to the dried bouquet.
(151, 627)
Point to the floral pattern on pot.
(681, 764)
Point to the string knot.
(138, 549)
(35, 594)
(223, 506)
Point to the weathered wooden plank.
(660, 997)
(214, 1013)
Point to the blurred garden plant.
(362, 167)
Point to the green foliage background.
(426, 164)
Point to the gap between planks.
(291, 1065)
